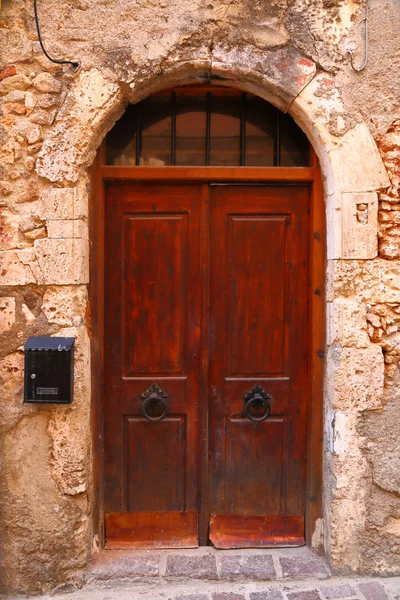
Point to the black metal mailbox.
(48, 370)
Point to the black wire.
(74, 64)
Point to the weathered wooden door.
(165, 246)
(258, 364)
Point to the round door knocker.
(152, 398)
(257, 397)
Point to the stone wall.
(51, 123)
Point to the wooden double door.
(206, 364)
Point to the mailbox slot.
(48, 370)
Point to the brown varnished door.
(152, 317)
(258, 336)
(257, 327)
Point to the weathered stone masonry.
(51, 122)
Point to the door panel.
(257, 299)
(152, 316)
(161, 487)
(155, 294)
(258, 336)
(251, 450)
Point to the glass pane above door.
(202, 126)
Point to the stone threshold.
(207, 564)
(334, 588)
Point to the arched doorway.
(211, 200)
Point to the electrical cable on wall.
(74, 64)
(350, 52)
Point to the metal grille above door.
(198, 126)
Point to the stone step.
(350, 588)
(207, 564)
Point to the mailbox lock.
(33, 376)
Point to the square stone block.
(347, 323)
(192, 567)
(355, 377)
(126, 567)
(267, 595)
(192, 597)
(227, 596)
(306, 595)
(336, 592)
(308, 565)
(63, 262)
(236, 566)
(372, 590)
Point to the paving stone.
(307, 565)
(306, 595)
(197, 567)
(267, 595)
(333, 592)
(373, 590)
(227, 596)
(192, 597)
(237, 566)
(125, 568)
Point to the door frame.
(100, 174)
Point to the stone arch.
(352, 172)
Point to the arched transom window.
(200, 126)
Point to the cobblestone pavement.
(209, 574)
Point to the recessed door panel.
(258, 260)
(155, 469)
(253, 450)
(155, 299)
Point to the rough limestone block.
(44, 82)
(60, 203)
(13, 271)
(356, 162)
(11, 379)
(373, 281)
(16, 82)
(347, 323)
(28, 258)
(9, 234)
(356, 376)
(65, 306)
(7, 313)
(353, 225)
(87, 113)
(63, 262)
(360, 225)
(71, 228)
(281, 72)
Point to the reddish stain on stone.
(7, 72)
(283, 67)
(305, 62)
(301, 79)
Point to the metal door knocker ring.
(151, 398)
(256, 397)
